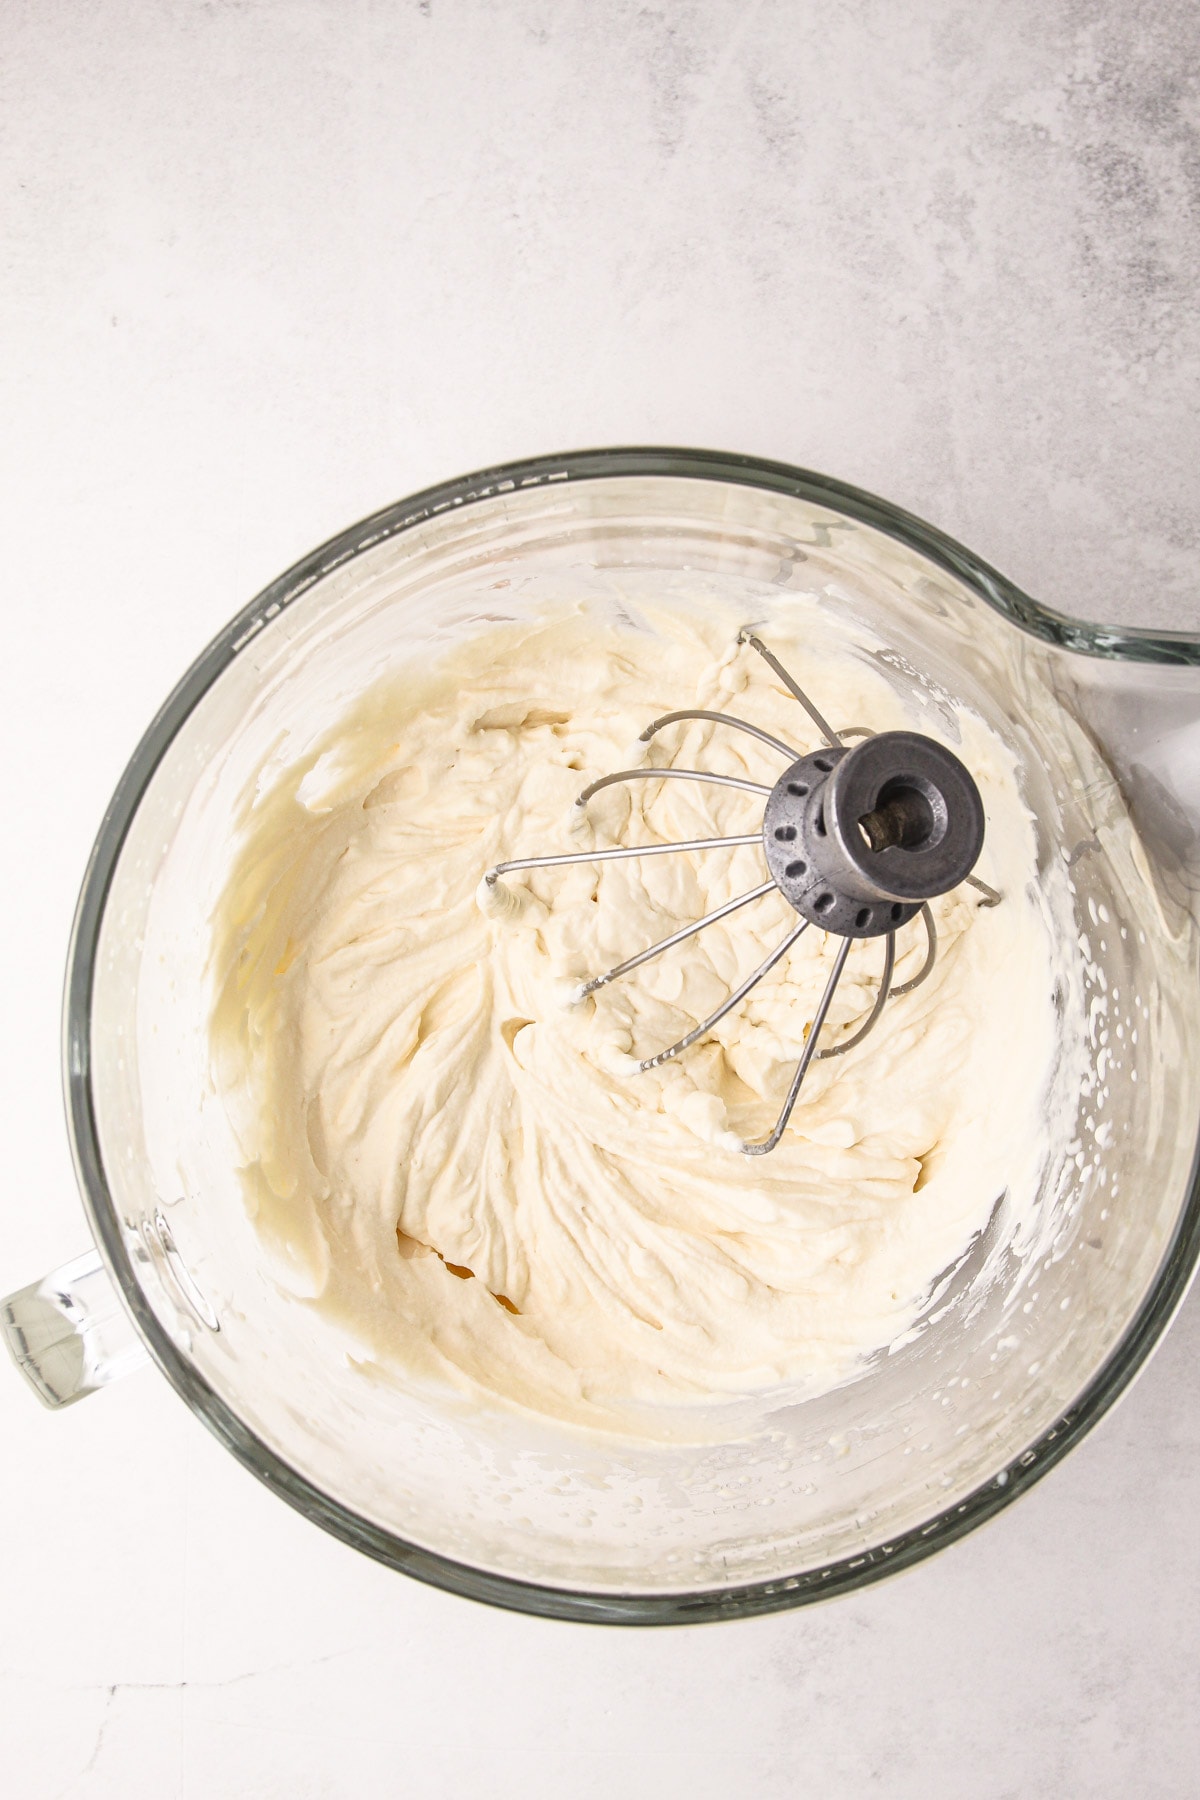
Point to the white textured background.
(269, 264)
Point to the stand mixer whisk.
(857, 840)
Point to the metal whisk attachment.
(857, 840)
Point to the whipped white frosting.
(461, 1163)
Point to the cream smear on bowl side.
(465, 1170)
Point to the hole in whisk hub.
(794, 870)
(862, 917)
(824, 903)
(797, 789)
(909, 814)
(784, 834)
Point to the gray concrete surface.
(269, 264)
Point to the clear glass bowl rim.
(787, 1590)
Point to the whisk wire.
(716, 718)
(990, 896)
(926, 969)
(792, 685)
(676, 937)
(810, 1049)
(738, 994)
(881, 1000)
(733, 781)
(619, 853)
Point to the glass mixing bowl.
(1019, 1354)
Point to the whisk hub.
(856, 839)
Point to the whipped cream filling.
(460, 1161)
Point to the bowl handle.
(69, 1333)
